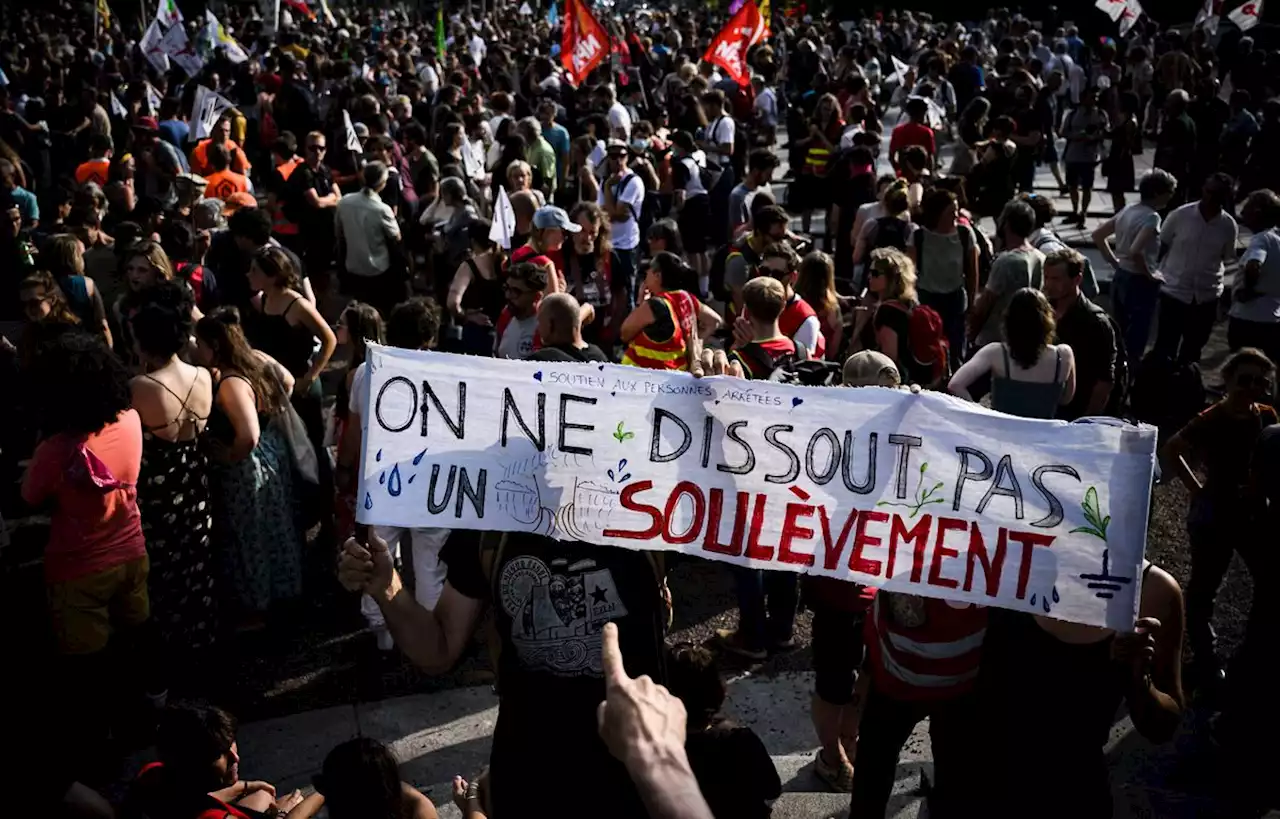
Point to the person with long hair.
(475, 298)
(664, 234)
(253, 473)
(143, 264)
(888, 231)
(173, 399)
(285, 325)
(360, 779)
(662, 331)
(972, 130)
(826, 126)
(1030, 375)
(883, 326)
(816, 285)
(546, 244)
(589, 264)
(63, 257)
(85, 472)
(945, 254)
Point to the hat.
(871, 369)
(193, 180)
(553, 217)
(615, 146)
(239, 200)
(146, 124)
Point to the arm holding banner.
(1154, 650)
(433, 640)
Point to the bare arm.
(1069, 384)
(982, 307)
(634, 324)
(887, 341)
(969, 372)
(236, 399)
(1103, 232)
(310, 318)
(99, 309)
(1145, 237)
(457, 288)
(1177, 454)
(708, 320)
(1155, 697)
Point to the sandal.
(837, 778)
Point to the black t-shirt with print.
(551, 600)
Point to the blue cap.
(554, 217)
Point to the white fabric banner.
(919, 493)
(181, 50)
(1129, 17)
(1247, 16)
(1112, 8)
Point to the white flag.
(152, 46)
(153, 100)
(117, 107)
(504, 220)
(217, 37)
(181, 50)
(208, 108)
(1112, 8)
(524, 9)
(900, 70)
(1247, 16)
(1129, 17)
(168, 13)
(1208, 16)
(353, 141)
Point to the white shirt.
(619, 120)
(477, 48)
(430, 79)
(721, 132)
(365, 221)
(1264, 249)
(1194, 253)
(516, 340)
(766, 107)
(625, 235)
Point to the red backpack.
(929, 364)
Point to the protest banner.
(917, 493)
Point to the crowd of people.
(185, 321)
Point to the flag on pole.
(1247, 16)
(329, 19)
(101, 16)
(168, 14)
(207, 109)
(217, 37)
(504, 220)
(353, 140)
(117, 107)
(900, 70)
(729, 49)
(1209, 15)
(584, 43)
(302, 8)
(441, 48)
(1129, 17)
(181, 50)
(1112, 8)
(152, 46)
(553, 16)
(153, 100)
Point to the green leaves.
(923, 497)
(622, 435)
(1093, 515)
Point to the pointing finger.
(615, 674)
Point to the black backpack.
(891, 232)
(1165, 394)
(720, 260)
(809, 372)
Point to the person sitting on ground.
(198, 772)
(734, 770)
(1030, 375)
(764, 298)
(360, 780)
(560, 328)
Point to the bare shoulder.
(1161, 593)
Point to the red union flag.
(585, 41)
(1247, 16)
(729, 49)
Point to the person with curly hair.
(174, 399)
(252, 466)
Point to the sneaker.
(731, 641)
(838, 778)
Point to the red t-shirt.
(911, 133)
(93, 485)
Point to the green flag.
(440, 49)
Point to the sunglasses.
(317, 148)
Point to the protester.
(374, 261)
(1018, 267)
(945, 254)
(1255, 310)
(360, 778)
(1084, 328)
(663, 332)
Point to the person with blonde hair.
(1030, 375)
(884, 327)
(890, 230)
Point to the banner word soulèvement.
(919, 493)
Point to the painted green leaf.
(1091, 501)
(1105, 523)
(924, 466)
(1088, 530)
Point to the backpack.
(927, 345)
(966, 244)
(891, 232)
(737, 159)
(809, 372)
(755, 355)
(1165, 394)
(720, 260)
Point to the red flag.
(585, 41)
(729, 49)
